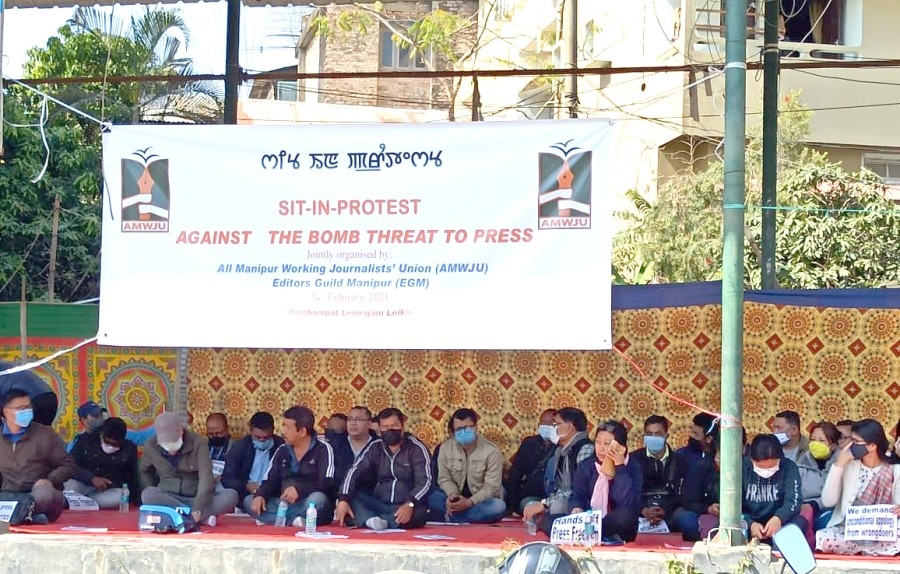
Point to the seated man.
(657, 463)
(336, 427)
(388, 485)
(106, 461)
(91, 415)
(248, 459)
(348, 447)
(470, 472)
(177, 471)
(33, 457)
(301, 473)
(218, 436)
(524, 484)
(696, 477)
(572, 446)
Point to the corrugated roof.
(277, 112)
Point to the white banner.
(877, 522)
(572, 529)
(439, 236)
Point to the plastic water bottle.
(590, 530)
(311, 515)
(281, 515)
(124, 498)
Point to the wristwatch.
(545, 502)
(411, 504)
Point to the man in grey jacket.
(177, 471)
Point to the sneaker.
(211, 521)
(298, 522)
(377, 523)
(260, 523)
(39, 519)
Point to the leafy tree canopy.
(835, 228)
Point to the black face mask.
(695, 445)
(858, 451)
(218, 441)
(392, 437)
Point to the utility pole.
(771, 69)
(232, 60)
(54, 241)
(570, 36)
(733, 269)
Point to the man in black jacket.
(248, 459)
(657, 461)
(525, 482)
(348, 447)
(106, 461)
(388, 485)
(695, 477)
(301, 473)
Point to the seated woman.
(864, 474)
(771, 489)
(823, 447)
(616, 493)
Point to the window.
(393, 57)
(885, 165)
(286, 90)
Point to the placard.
(876, 522)
(647, 527)
(79, 502)
(7, 507)
(571, 529)
(472, 235)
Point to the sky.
(263, 44)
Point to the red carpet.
(492, 537)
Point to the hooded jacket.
(778, 495)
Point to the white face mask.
(108, 448)
(765, 472)
(554, 435)
(782, 437)
(173, 447)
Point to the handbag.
(19, 506)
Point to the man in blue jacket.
(247, 463)
(388, 485)
(301, 473)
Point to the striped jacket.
(315, 471)
(393, 478)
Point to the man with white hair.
(177, 471)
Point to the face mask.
(554, 435)
(172, 447)
(765, 472)
(95, 423)
(654, 444)
(858, 451)
(782, 437)
(218, 441)
(392, 437)
(108, 448)
(819, 450)
(24, 417)
(695, 445)
(465, 436)
(263, 444)
(545, 431)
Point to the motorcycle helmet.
(539, 558)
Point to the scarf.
(879, 490)
(557, 474)
(600, 497)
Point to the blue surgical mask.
(654, 444)
(263, 444)
(545, 431)
(465, 436)
(24, 417)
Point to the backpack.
(165, 519)
(23, 506)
